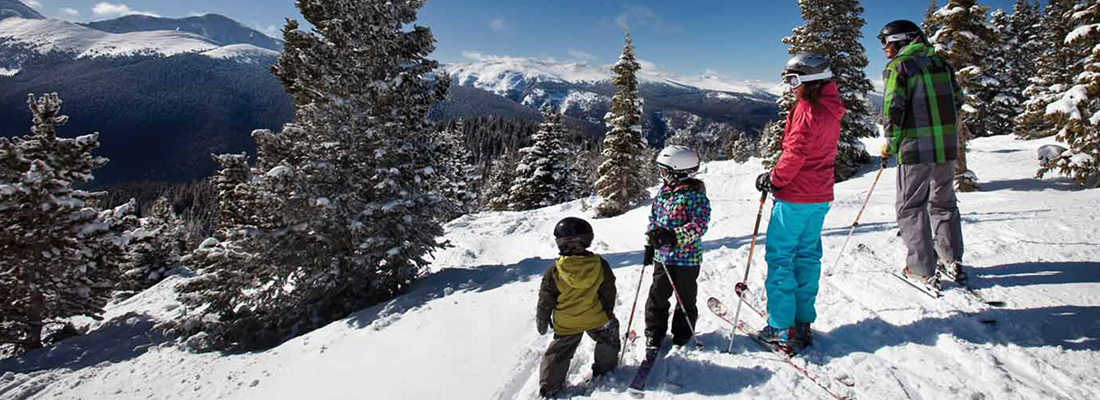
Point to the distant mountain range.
(165, 93)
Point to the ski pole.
(831, 271)
(680, 303)
(646, 260)
(752, 246)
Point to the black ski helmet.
(902, 30)
(572, 235)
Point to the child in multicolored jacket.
(677, 221)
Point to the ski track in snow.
(467, 331)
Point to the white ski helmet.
(677, 163)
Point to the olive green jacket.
(579, 292)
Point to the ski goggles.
(897, 37)
(796, 80)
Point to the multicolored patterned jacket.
(685, 210)
(920, 105)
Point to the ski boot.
(803, 335)
(952, 270)
(782, 339)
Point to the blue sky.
(730, 38)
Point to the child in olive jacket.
(577, 296)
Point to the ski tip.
(635, 393)
(995, 303)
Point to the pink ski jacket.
(804, 173)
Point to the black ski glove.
(764, 183)
(542, 326)
(661, 237)
(647, 257)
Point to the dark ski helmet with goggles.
(806, 67)
(901, 32)
(677, 163)
(573, 236)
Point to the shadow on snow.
(120, 339)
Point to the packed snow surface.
(467, 330)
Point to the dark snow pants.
(657, 303)
(555, 362)
(925, 203)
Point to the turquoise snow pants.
(793, 253)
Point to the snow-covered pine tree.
(620, 183)
(155, 247)
(742, 148)
(770, 144)
(1076, 115)
(1025, 41)
(337, 211)
(456, 173)
(929, 25)
(1055, 68)
(833, 28)
(1002, 103)
(501, 176)
(964, 39)
(61, 255)
(545, 174)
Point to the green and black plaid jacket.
(921, 106)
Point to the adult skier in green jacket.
(920, 107)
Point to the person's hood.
(830, 100)
(579, 271)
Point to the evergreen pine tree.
(155, 247)
(1076, 114)
(1024, 48)
(833, 29)
(1000, 93)
(770, 145)
(929, 25)
(620, 183)
(501, 176)
(456, 176)
(337, 212)
(1055, 71)
(61, 255)
(742, 148)
(964, 40)
(545, 174)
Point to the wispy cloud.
(69, 12)
(105, 9)
(579, 54)
(498, 24)
(33, 3)
(482, 57)
(638, 17)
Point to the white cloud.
(482, 57)
(497, 24)
(641, 16)
(579, 54)
(33, 3)
(105, 9)
(69, 12)
(274, 31)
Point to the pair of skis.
(785, 353)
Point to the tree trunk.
(965, 180)
(35, 312)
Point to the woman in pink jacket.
(802, 184)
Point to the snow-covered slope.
(467, 331)
(50, 35)
(243, 53)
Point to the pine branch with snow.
(1075, 115)
(1055, 71)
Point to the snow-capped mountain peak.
(502, 75)
(16, 9)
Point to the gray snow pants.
(555, 363)
(925, 203)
